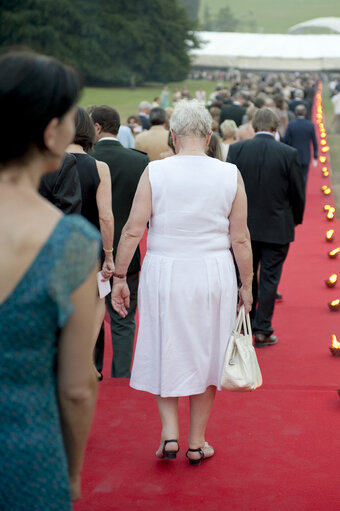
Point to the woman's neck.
(75, 148)
(229, 140)
(191, 146)
(27, 176)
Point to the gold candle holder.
(335, 346)
(330, 235)
(334, 253)
(334, 305)
(331, 214)
(332, 280)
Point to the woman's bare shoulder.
(27, 222)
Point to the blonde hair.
(229, 128)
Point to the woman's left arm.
(106, 222)
(130, 237)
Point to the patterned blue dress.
(33, 465)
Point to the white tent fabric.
(281, 52)
(331, 23)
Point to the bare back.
(27, 221)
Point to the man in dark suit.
(144, 110)
(235, 111)
(298, 100)
(275, 189)
(300, 134)
(126, 167)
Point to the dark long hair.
(34, 89)
(84, 134)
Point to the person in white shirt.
(336, 105)
(125, 137)
(200, 96)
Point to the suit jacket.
(126, 167)
(295, 102)
(234, 112)
(153, 142)
(62, 187)
(299, 134)
(145, 122)
(274, 185)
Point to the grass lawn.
(334, 144)
(126, 100)
(272, 16)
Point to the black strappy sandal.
(195, 463)
(169, 455)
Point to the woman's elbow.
(133, 232)
(240, 238)
(106, 217)
(78, 394)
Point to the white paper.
(103, 287)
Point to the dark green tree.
(109, 41)
(223, 21)
(207, 23)
(192, 6)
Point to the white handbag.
(241, 370)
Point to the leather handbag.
(241, 370)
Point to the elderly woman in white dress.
(197, 209)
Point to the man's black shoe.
(262, 340)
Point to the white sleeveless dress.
(188, 291)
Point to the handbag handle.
(243, 320)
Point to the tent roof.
(331, 23)
(268, 51)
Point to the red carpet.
(277, 448)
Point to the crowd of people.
(220, 184)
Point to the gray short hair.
(191, 118)
(144, 105)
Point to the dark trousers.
(304, 168)
(123, 335)
(270, 257)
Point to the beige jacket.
(153, 142)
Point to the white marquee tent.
(330, 23)
(281, 52)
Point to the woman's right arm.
(106, 222)
(240, 242)
(77, 385)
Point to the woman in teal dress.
(48, 265)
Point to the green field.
(272, 16)
(126, 101)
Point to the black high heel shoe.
(170, 454)
(209, 451)
(195, 462)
